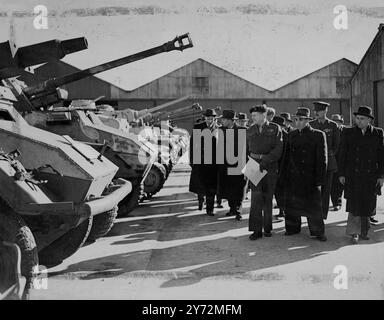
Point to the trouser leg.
(365, 225)
(256, 211)
(316, 226)
(218, 200)
(336, 191)
(234, 204)
(325, 194)
(268, 191)
(292, 223)
(353, 225)
(210, 202)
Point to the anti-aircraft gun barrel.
(148, 113)
(183, 111)
(37, 94)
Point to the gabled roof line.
(210, 63)
(253, 84)
(378, 34)
(308, 74)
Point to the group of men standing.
(307, 165)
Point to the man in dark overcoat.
(279, 190)
(204, 171)
(303, 173)
(287, 121)
(361, 171)
(231, 184)
(337, 188)
(265, 146)
(332, 134)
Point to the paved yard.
(167, 249)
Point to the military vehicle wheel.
(102, 224)
(155, 179)
(66, 245)
(14, 230)
(131, 201)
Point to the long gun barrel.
(37, 94)
(194, 109)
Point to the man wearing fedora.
(287, 121)
(337, 188)
(242, 120)
(203, 180)
(264, 145)
(303, 173)
(361, 171)
(332, 134)
(230, 185)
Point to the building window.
(201, 84)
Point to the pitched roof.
(375, 39)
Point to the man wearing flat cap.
(361, 171)
(203, 180)
(264, 145)
(303, 173)
(231, 185)
(332, 134)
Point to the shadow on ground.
(168, 238)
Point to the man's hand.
(380, 182)
(342, 180)
(262, 168)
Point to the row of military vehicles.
(68, 170)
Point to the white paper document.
(252, 171)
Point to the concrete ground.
(167, 249)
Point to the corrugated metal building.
(213, 86)
(368, 81)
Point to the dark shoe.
(336, 208)
(281, 214)
(238, 217)
(364, 237)
(355, 239)
(230, 213)
(290, 233)
(255, 236)
(321, 238)
(200, 206)
(268, 234)
(220, 206)
(373, 220)
(210, 213)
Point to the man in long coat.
(279, 190)
(332, 134)
(230, 185)
(361, 171)
(303, 174)
(287, 121)
(204, 172)
(337, 188)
